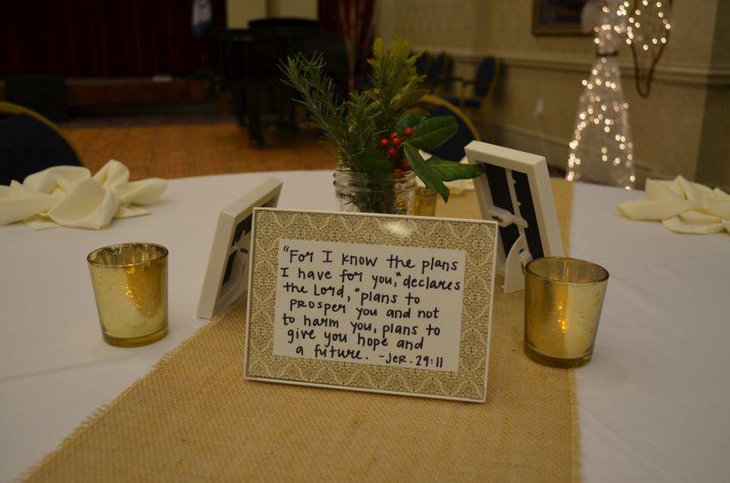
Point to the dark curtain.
(353, 19)
(102, 38)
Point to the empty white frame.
(227, 274)
(515, 192)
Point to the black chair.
(438, 72)
(453, 149)
(30, 143)
(423, 63)
(482, 89)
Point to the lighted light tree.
(601, 150)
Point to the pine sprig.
(360, 120)
(396, 83)
(319, 97)
(375, 130)
(349, 126)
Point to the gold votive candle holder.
(424, 203)
(130, 287)
(563, 301)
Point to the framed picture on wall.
(557, 17)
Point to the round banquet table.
(653, 402)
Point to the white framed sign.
(371, 302)
(227, 273)
(515, 192)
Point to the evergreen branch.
(396, 84)
(385, 111)
(318, 96)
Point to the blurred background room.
(176, 88)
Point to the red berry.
(396, 142)
(397, 173)
(384, 143)
(404, 165)
(408, 132)
(393, 135)
(392, 153)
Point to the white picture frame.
(227, 273)
(288, 328)
(515, 192)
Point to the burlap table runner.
(194, 417)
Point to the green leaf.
(374, 163)
(434, 171)
(410, 119)
(423, 171)
(400, 49)
(378, 47)
(409, 95)
(452, 170)
(433, 132)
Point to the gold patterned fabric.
(195, 418)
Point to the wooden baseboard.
(110, 92)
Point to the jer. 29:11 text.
(421, 361)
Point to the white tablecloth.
(653, 403)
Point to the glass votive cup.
(425, 202)
(563, 300)
(130, 288)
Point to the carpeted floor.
(177, 150)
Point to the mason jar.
(357, 192)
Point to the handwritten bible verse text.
(369, 304)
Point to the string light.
(647, 38)
(601, 149)
(652, 13)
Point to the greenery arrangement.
(379, 131)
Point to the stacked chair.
(474, 94)
(436, 69)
